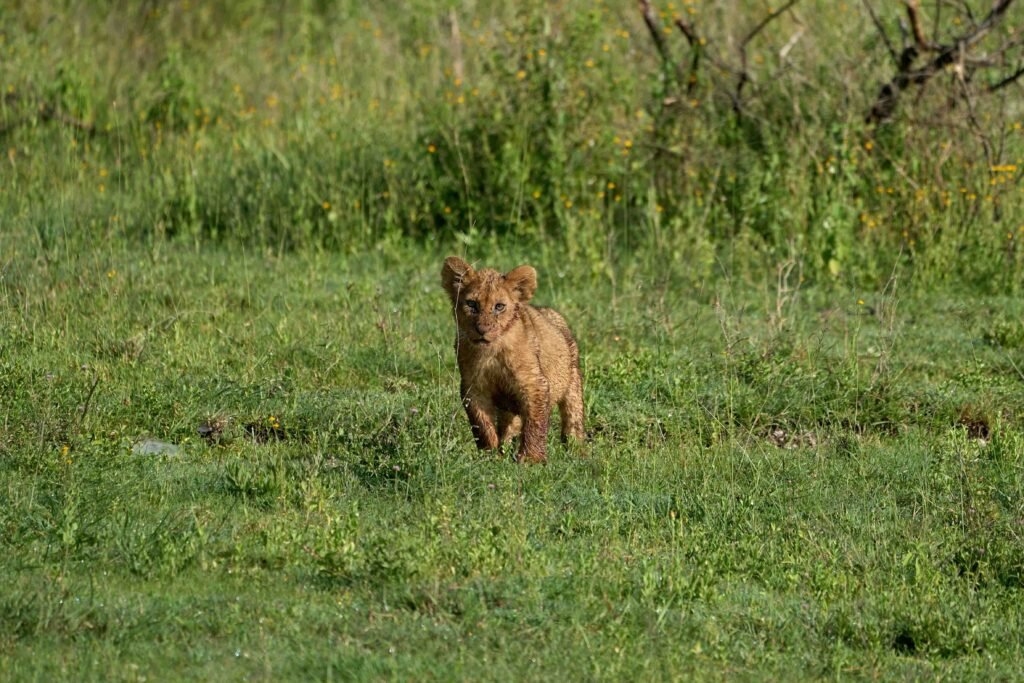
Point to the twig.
(900, 170)
(1019, 372)
(700, 47)
(691, 35)
(88, 401)
(50, 112)
(1009, 80)
(744, 76)
(790, 44)
(764, 22)
(969, 12)
(453, 20)
(700, 44)
(972, 117)
(1016, 38)
(696, 50)
(47, 112)
(914, 15)
(881, 31)
(996, 13)
(647, 10)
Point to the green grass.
(802, 346)
(372, 540)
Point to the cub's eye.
(499, 307)
(473, 306)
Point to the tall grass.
(338, 125)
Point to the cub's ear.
(453, 273)
(523, 281)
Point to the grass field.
(802, 343)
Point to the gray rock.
(154, 447)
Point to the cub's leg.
(536, 416)
(480, 413)
(509, 426)
(570, 408)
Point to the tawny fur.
(517, 361)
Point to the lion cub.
(516, 360)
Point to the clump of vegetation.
(698, 131)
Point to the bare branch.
(1009, 80)
(688, 31)
(695, 50)
(972, 116)
(881, 31)
(914, 15)
(700, 49)
(456, 36)
(1015, 39)
(906, 75)
(790, 44)
(56, 114)
(84, 410)
(647, 10)
(998, 10)
(46, 112)
(764, 22)
(697, 42)
(744, 75)
(966, 9)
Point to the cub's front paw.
(532, 458)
